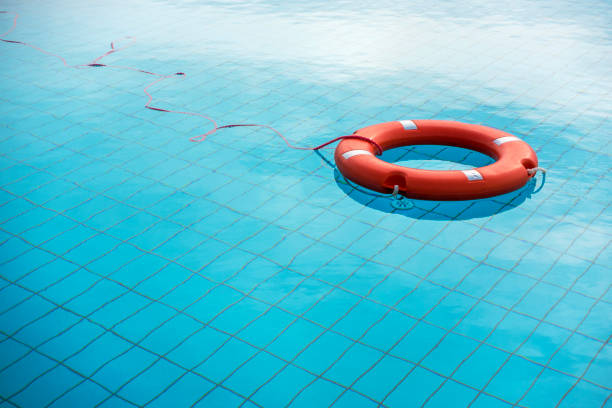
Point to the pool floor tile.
(452, 394)
(47, 388)
(86, 392)
(280, 389)
(381, 378)
(513, 379)
(248, 378)
(585, 393)
(414, 389)
(319, 393)
(185, 391)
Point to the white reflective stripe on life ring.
(472, 175)
(501, 140)
(351, 153)
(408, 124)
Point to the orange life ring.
(515, 163)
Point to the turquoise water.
(139, 268)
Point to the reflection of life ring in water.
(515, 164)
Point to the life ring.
(515, 164)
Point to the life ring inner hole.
(436, 157)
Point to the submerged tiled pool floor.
(140, 269)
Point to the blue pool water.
(140, 269)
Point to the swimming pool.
(140, 268)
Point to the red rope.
(97, 63)
(24, 43)
(358, 137)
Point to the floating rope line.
(24, 43)
(96, 63)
